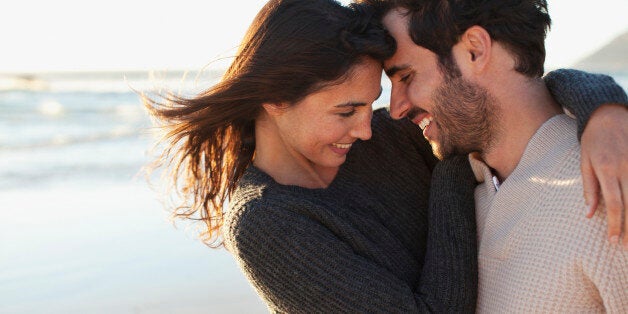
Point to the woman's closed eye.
(347, 114)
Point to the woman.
(325, 214)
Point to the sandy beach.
(109, 249)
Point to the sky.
(43, 35)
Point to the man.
(468, 73)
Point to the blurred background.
(81, 230)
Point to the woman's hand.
(605, 166)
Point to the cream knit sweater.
(537, 250)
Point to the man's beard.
(467, 117)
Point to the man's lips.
(420, 117)
(425, 122)
(416, 114)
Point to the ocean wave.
(109, 82)
(57, 107)
(50, 108)
(22, 82)
(61, 140)
(42, 176)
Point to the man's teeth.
(425, 122)
(342, 146)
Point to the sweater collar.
(546, 138)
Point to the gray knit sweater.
(363, 244)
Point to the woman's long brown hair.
(292, 49)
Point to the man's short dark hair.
(519, 25)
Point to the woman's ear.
(476, 44)
(274, 110)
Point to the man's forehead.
(396, 22)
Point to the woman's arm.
(298, 265)
(451, 266)
(601, 108)
(605, 164)
(582, 93)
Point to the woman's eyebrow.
(359, 104)
(351, 104)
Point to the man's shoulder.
(562, 206)
(558, 133)
(560, 201)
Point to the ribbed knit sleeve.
(309, 270)
(450, 273)
(581, 92)
(298, 265)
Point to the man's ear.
(475, 46)
(274, 110)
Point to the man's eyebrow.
(359, 104)
(394, 69)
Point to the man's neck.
(525, 105)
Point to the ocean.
(81, 230)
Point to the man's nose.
(399, 104)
